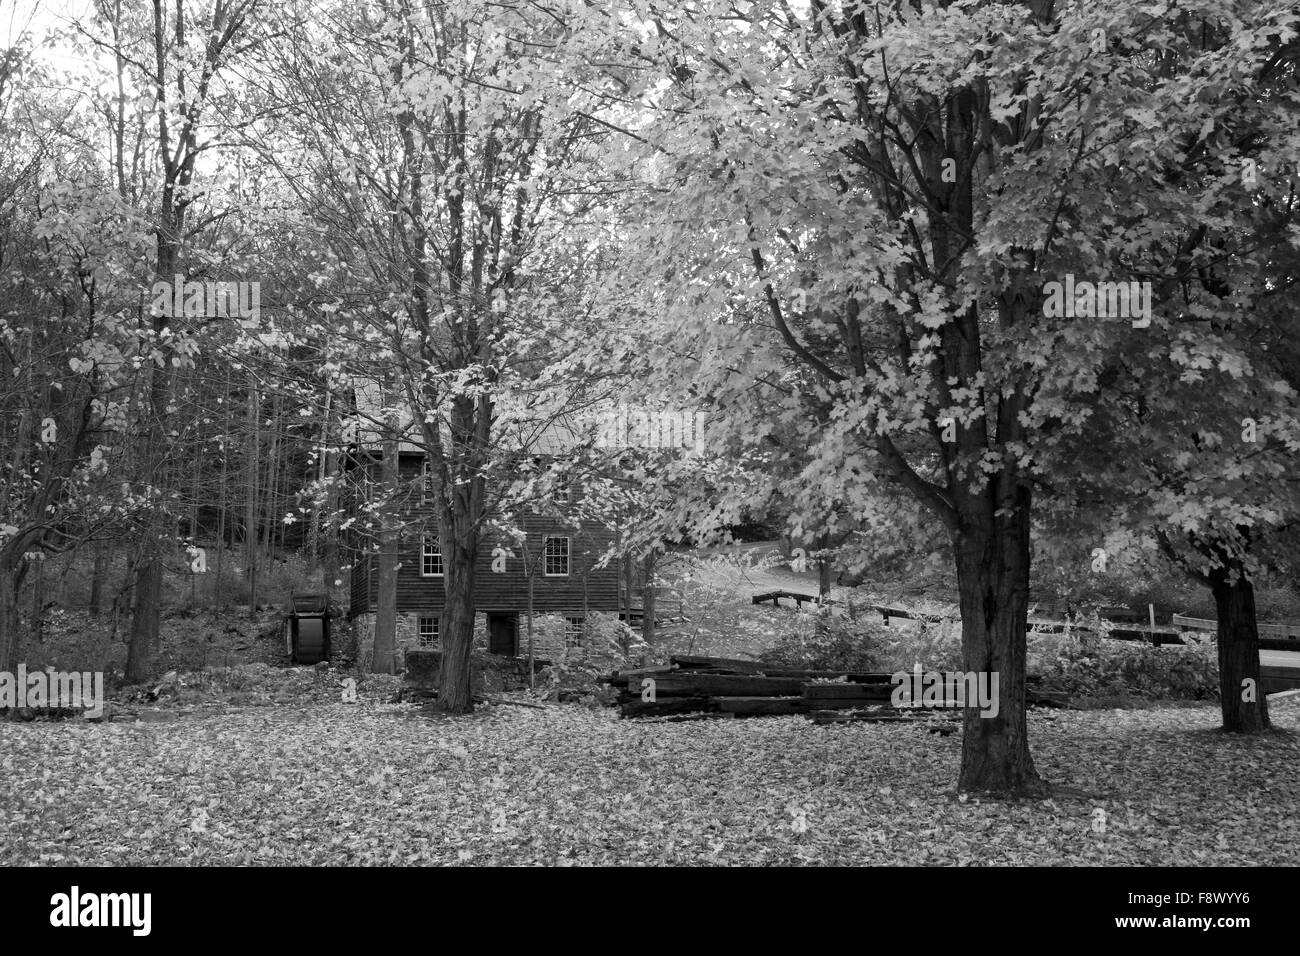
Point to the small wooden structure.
(796, 596)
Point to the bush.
(935, 646)
(827, 643)
(575, 681)
(1086, 669)
(1091, 668)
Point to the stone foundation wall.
(601, 638)
(407, 639)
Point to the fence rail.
(1275, 631)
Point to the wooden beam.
(762, 705)
(658, 708)
(866, 692)
(682, 684)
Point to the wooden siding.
(495, 591)
(358, 583)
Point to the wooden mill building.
(571, 593)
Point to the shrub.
(1090, 667)
(575, 680)
(827, 642)
(935, 646)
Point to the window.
(426, 483)
(428, 631)
(556, 557)
(430, 557)
(573, 630)
(561, 495)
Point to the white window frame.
(421, 638)
(575, 629)
(425, 541)
(546, 556)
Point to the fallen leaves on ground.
(217, 689)
(376, 783)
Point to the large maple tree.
(874, 198)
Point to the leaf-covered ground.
(381, 783)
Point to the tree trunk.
(8, 619)
(144, 639)
(37, 623)
(282, 529)
(1244, 705)
(330, 547)
(532, 660)
(218, 596)
(625, 563)
(648, 599)
(822, 622)
(455, 695)
(270, 498)
(97, 573)
(330, 561)
(313, 532)
(250, 500)
(144, 616)
(194, 531)
(117, 613)
(993, 563)
(459, 493)
(823, 575)
(146, 610)
(386, 600)
(217, 593)
(268, 503)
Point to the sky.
(37, 20)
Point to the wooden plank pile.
(689, 687)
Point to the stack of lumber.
(714, 685)
(726, 687)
